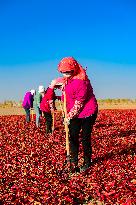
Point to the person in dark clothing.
(47, 106)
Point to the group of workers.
(42, 101)
(81, 106)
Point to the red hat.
(70, 64)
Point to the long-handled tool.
(66, 130)
(53, 121)
(32, 113)
(63, 114)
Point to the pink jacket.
(45, 104)
(28, 101)
(81, 90)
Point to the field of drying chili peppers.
(32, 163)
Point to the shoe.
(77, 169)
(74, 169)
(85, 168)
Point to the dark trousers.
(27, 114)
(74, 129)
(48, 118)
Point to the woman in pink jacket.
(82, 109)
(47, 106)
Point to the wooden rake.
(32, 113)
(53, 121)
(66, 130)
(63, 114)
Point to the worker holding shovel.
(81, 108)
(47, 106)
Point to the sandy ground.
(12, 111)
(20, 111)
(117, 106)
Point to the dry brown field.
(117, 106)
(20, 111)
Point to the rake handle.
(53, 122)
(32, 113)
(66, 129)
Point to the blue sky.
(36, 34)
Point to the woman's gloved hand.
(53, 83)
(67, 121)
(57, 82)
